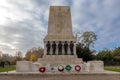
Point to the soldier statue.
(71, 47)
(66, 47)
(54, 47)
(48, 47)
(59, 48)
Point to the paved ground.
(83, 72)
(107, 75)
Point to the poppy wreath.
(77, 68)
(42, 69)
(60, 68)
(52, 68)
(68, 68)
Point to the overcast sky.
(23, 23)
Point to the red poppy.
(42, 69)
(61, 68)
(77, 68)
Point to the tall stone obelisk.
(59, 30)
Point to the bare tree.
(38, 52)
(19, 55)
(86, 39)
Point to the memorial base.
(60, 63)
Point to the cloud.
(100, 16)
(24, 26)
(23, 23)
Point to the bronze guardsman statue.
(48, 48)
(71, 47)
(54, 47)
(59, 48)
(66, 47)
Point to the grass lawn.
(11, 68)
(116, 69)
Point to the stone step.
(60, 59)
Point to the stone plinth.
(56, 61)
(96, 66)
(24, 66)
(60, 59)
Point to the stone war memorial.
(60, 61)
(60, 48)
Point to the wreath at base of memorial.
(60, 68)
(42, 69)
(77, 67)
